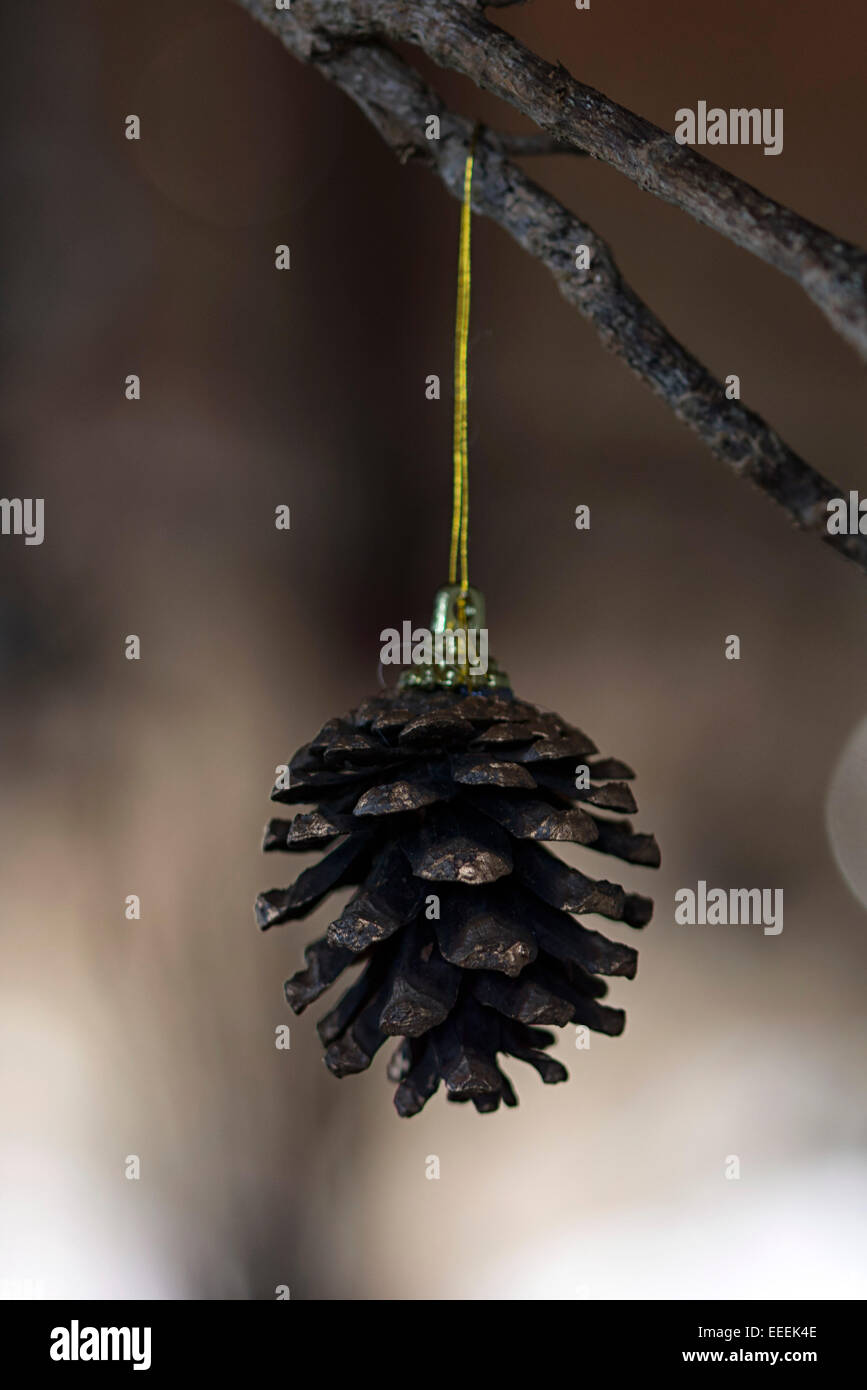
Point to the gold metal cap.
(457, 611)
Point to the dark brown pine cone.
(436, 801)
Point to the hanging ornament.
(434, 801)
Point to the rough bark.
(340, 40)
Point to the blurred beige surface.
(156, 1037)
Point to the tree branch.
(398, 102)
(456, 34)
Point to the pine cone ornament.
(434, 802)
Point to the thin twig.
(523, 146)
(398, 103)
(456, 34)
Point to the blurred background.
(306, 388)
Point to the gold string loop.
(460, 483)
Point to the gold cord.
(460, 487)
